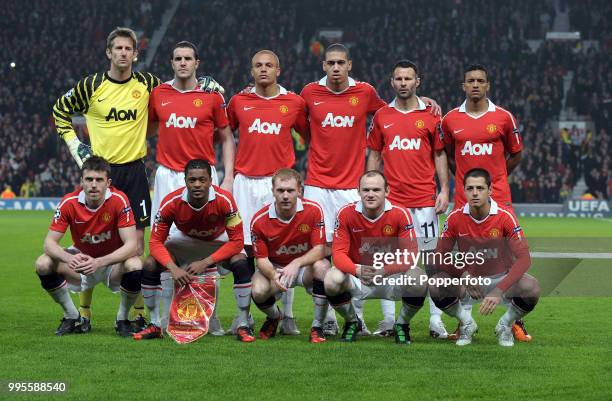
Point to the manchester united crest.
(491, 128)
(354, 100)
(419, 124)
(197, 102)
(304, 228)
(187, 310)
(494, 233)
(136, 94)
(106, 217)
(388, 229)
(284, 109)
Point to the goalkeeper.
(115, 106)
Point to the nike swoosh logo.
(458, 130)
(247, 108)
(165, 103)
(101, 100)
(273, 238)
(387, 125)
(80, 222)
(144, 218)
(463, 235)
(427, 242)
(317, 103)
(358, 230)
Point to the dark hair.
(404, 63)
(476, 67)
(197, 164)
(374, 173)
(477, 173)
(96, 163)
(185, 43)
(338, 47)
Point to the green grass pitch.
(570, 357)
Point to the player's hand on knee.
(208, 84)
(289, 274)
(366, 274)
(89, 267)
(475, 291)
(491, 301)
(180, 276)
(278, 282)
(197, 267)
(77, 259)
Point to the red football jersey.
(354, 234)
(264, 125)
(94, 232)
(187, 122)
(336, 157)
(482, 142)
(282, 241)
(498, 235)
(407, 141)
(219, 214)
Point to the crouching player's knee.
(526, 294)
(44, 265)
(333, 282)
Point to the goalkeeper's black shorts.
(132, 179)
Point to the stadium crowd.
(528, 83)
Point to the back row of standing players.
(407, 136)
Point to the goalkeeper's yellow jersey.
(116, 113)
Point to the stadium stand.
(528, 75)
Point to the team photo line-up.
(265, 226)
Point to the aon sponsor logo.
(96, 238)
(338, 121)
(477, 149)
(121, 115)
(368, 248)
(405, 143)
(204, 233)
(175, 121)
(292, 249)
(265, 127)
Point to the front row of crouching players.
(103, 233)
(197, 227)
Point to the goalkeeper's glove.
(79, 151)
(208, 84)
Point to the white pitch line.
(571, 255)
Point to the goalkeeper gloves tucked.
(79, 151)
(208, 84)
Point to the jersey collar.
(81, 198)
(420, 107)
(171, 83)
(359, 208)
(272, 210)
(212, 194)
(323, 81)
(493, 210)
(281, 91)
(463, 110)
